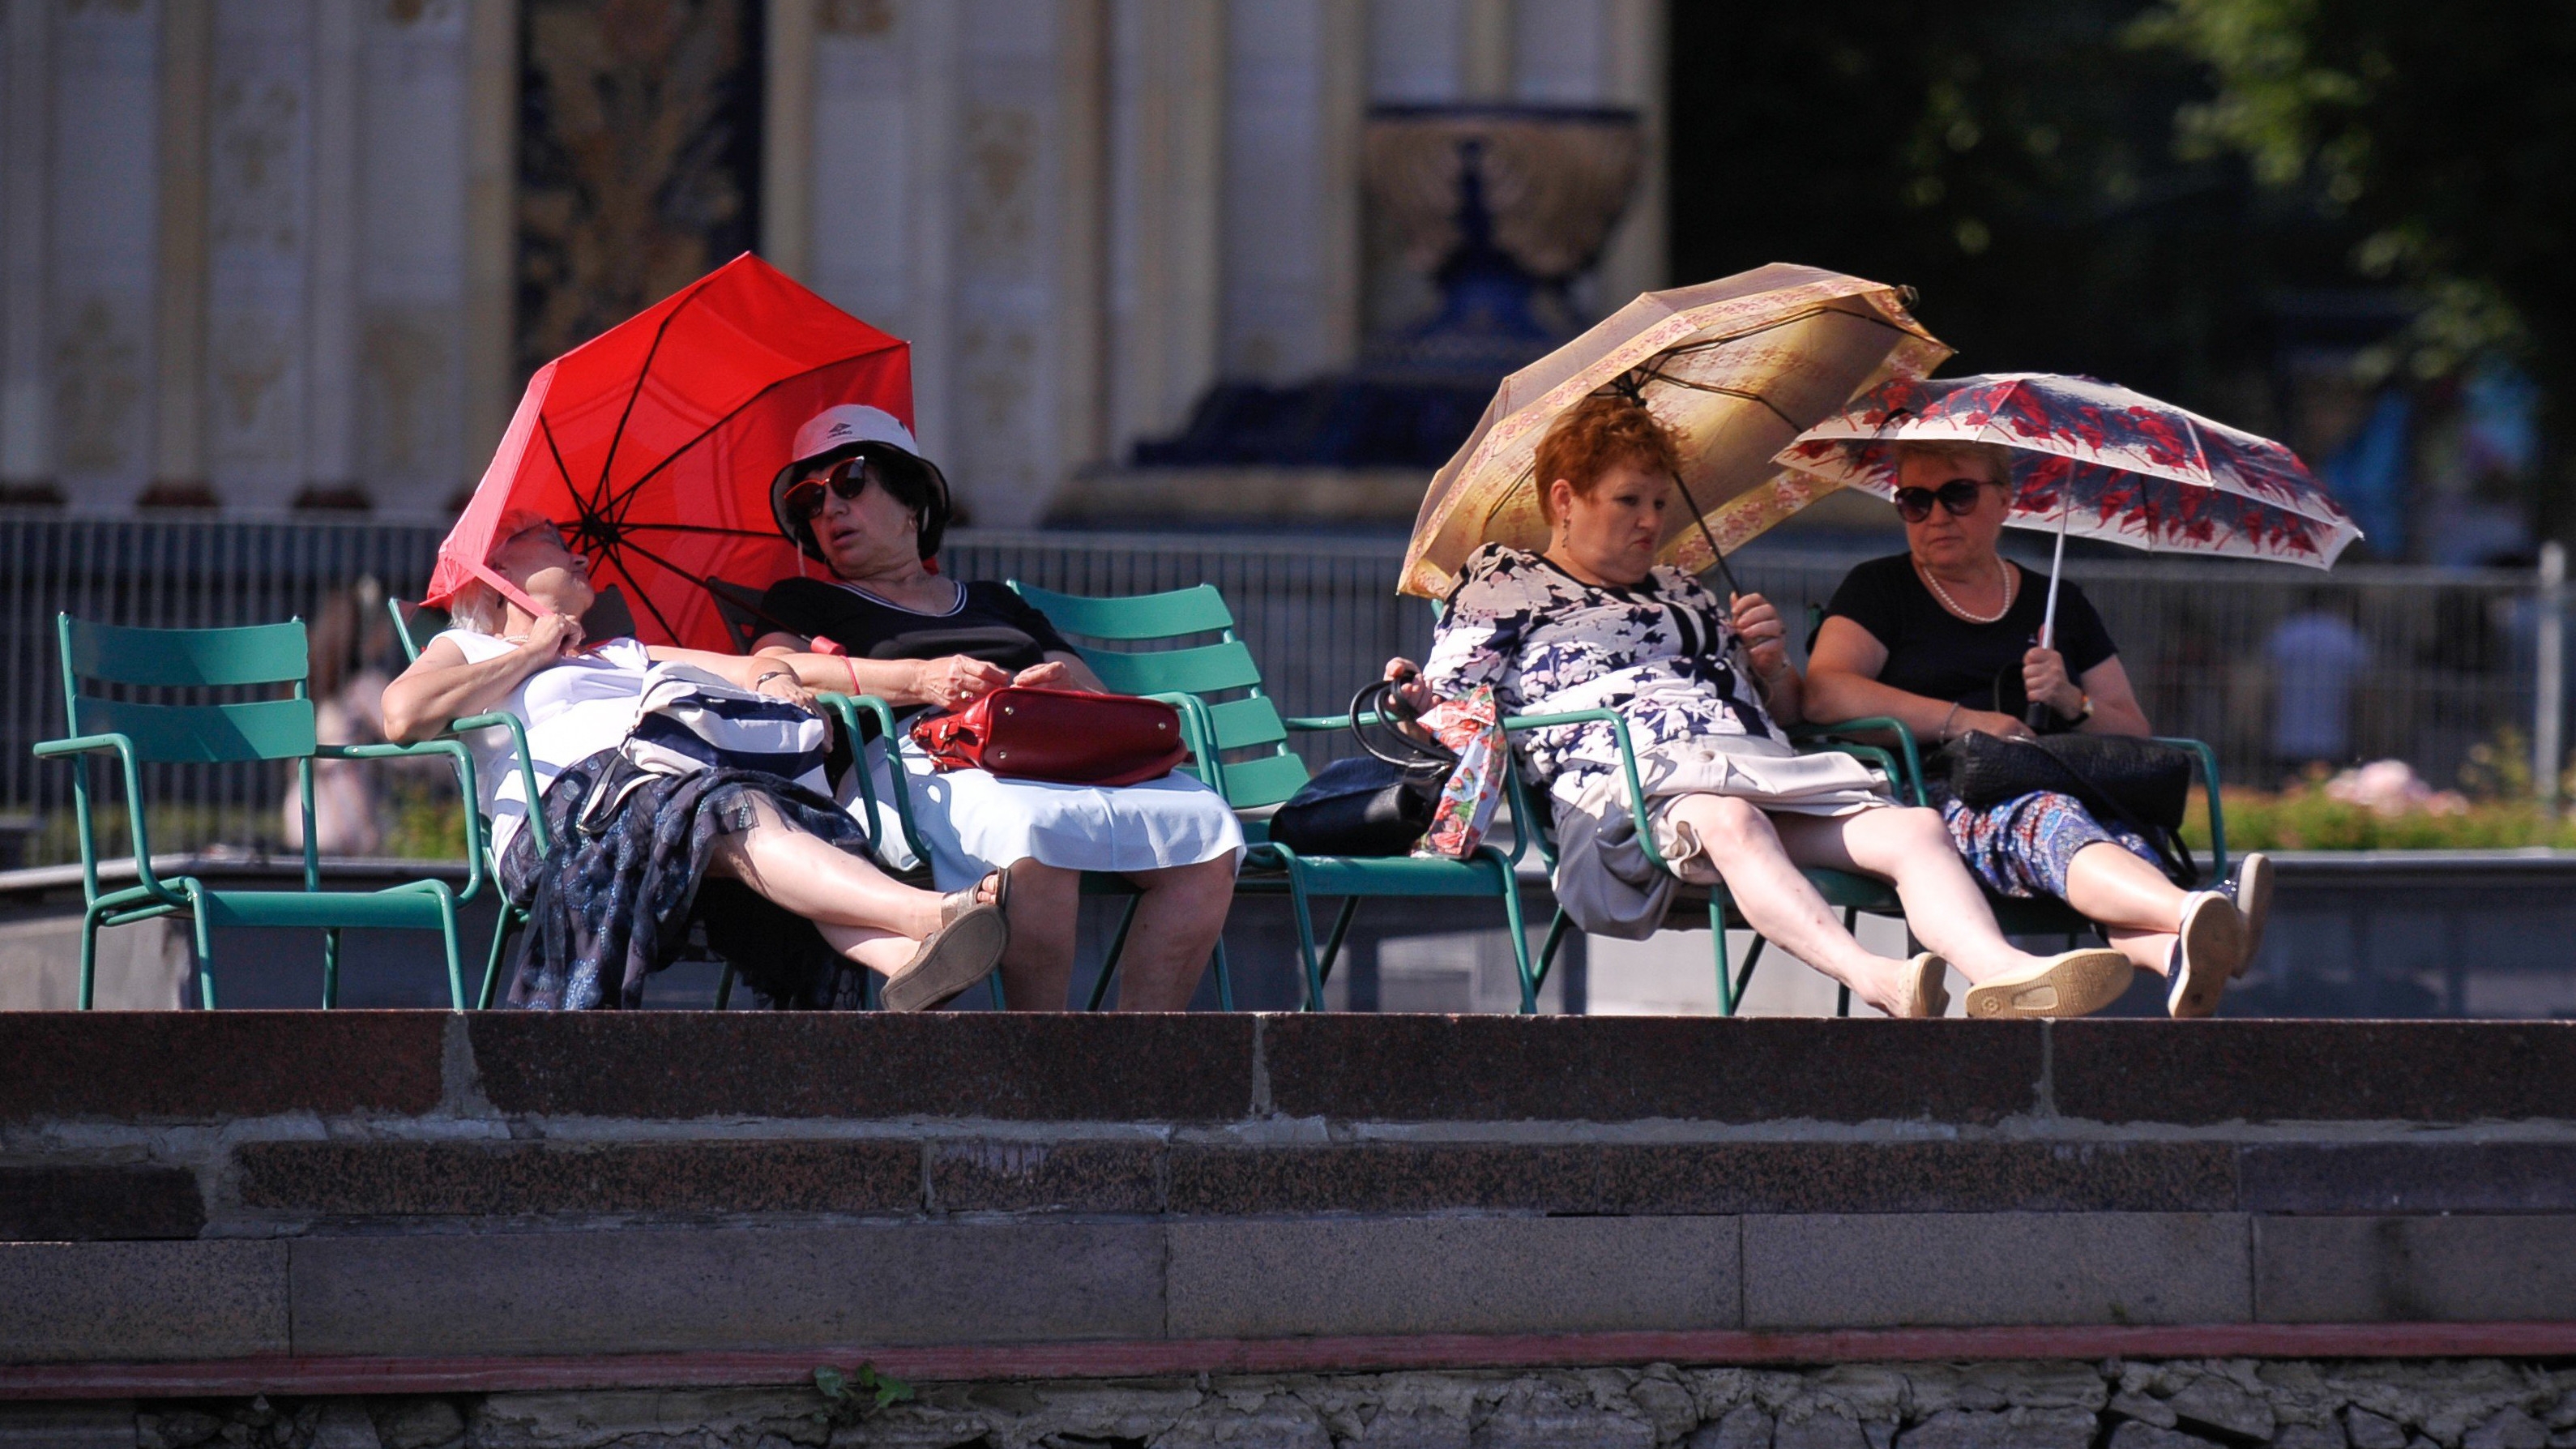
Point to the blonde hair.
(1993, 458)
(477, 606)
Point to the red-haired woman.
(1593, 623)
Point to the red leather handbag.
(1061, 735)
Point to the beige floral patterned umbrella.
(1736, 367)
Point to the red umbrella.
(654, 443)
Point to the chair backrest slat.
(1199, 609)
(254, 654)
(1203, 670)
(1267, 780)
(1242, 724)
(415, 625)
(205, 734)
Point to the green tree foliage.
(2444, 133)
(2016, 162)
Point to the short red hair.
(1596, 435)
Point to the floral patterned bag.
(1472, 729)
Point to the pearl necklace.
(1953, 605)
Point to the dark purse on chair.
(1379, 803)
(2142, 784)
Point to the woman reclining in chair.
(1593, 624)
(774, 871)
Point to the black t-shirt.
(1935, 653)
(990, 623)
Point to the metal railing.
(2451, 655)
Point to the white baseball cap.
(848, 429)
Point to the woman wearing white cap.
(861, 499)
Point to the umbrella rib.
(635, 394)
(1736, 392)
(648, 474)
(697, 528)
(1704, 343)
(646, 597)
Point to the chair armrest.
(124, 750)
(464, 762)
(536, 817)
(1872, 724)
(2217, 818)
(1627, 762)
(848, 708)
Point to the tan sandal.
(964, 950)
(1928, 994)
(2071, 983)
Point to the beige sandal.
(2071, 983)
(964, 950)
(1928, 994)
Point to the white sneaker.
(2249, 885)
(2208, 951)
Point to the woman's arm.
(948, 683)
(2116, 710)
(759, 673)
(1842, 683)
(440, 685)
(1766, 648)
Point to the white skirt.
(973, 822)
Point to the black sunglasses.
(804, 499)
(1914, 505)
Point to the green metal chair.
(1241, 746)
(415, 625)
(139, 733)
(1854, 895)
(2017, 917)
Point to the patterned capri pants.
(2022, 847)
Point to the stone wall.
(2041, 1404)
(389, 1203)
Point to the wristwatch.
(2082, 713)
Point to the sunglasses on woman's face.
(846, 480)
(1959, 496)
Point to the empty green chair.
(141, 732)
(415, 625)
(1241, 744)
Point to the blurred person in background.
(347, 684)
(2316, 653)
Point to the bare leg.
(865, 914)
(1912, 848)
(1177, 924)
(2139, 909)
(1747, 848)
(1037, 968)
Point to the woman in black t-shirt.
(862, 501)
(1945, 637)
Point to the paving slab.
(1833, 1270)
(206, 1065)
(2409, 1177)
(96, 1203)
(1038, 1066)
(2313, 1071)
(414, 1179)
(1271, 1277)
(645, 1289)
(2415, 1269)
(65, 1302)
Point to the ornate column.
(1167, 108)
(418, 199)
(330, 464)
(1295, 92)
(258, 248)
(488, 374)
(104, 260)
(26, 165)
(787, 135)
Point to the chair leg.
(331, 968)
(205, 960)
(1556, 934)
(1717, 940)
(1842, 992)
(455, 955)
(1224, 977)
(1519, 928)
(1301, 908)
(993, 985)
(1341, 928)
(1752, 958)
(89, 959)
(1117, 948)
(724, 988)
(511, 919)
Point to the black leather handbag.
(2142, 784)
(1378, 803)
